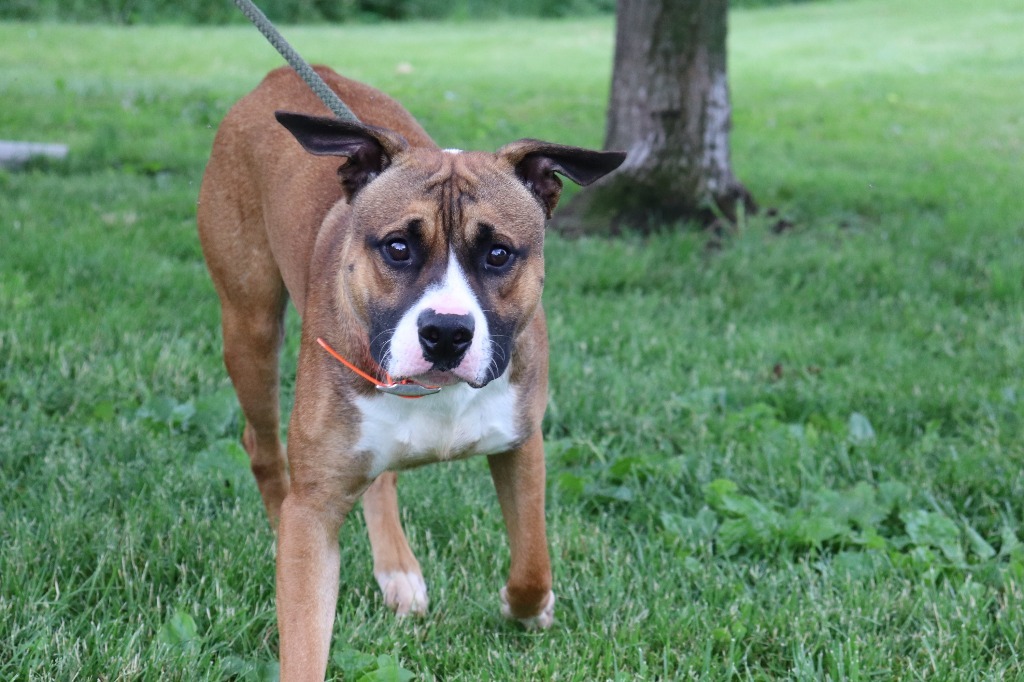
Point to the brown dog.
(410, 262)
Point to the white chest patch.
(458, 422)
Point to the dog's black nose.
(444, 338)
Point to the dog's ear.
(367, 150)
(536, 163)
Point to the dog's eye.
(397, 250)
(499, 256)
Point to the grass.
(798, 456)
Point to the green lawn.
(785, 456)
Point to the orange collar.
(406, 388)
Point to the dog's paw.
(404, 593)
(541, 621)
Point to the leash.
(295, 60)
(406, 388)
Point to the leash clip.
(408, 389)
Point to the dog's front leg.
(519, 480)
(307, 573)
(397, 571)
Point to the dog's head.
(444, 258)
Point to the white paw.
(404, 593)
(541, 621)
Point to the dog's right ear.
(367, 150)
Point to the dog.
(406, 261)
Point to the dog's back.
(263, 198)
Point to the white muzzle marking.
(451, 296)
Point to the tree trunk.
(669, 109)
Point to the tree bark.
(669, 109)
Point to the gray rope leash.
(301, 66)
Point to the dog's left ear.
(536, 163)
(367, 150)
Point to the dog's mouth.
(443, 378)
(427, 383)
(438, 378)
